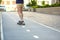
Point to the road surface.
(31, 31)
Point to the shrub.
(47, 5)
(38, 6)
(33, 4)
(29, 4)
(55, 5)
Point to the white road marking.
(2, 36)
(36, 22)
(28, 30)
(23, 26)
(43, 25)
(35, 36)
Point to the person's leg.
(19, 10)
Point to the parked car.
(2, 8)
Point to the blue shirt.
(19, 1)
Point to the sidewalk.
(46, 19)
(48, 10)
(31, 31)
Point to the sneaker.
(21, 23)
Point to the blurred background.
(10, 5)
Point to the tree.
(43, 3)
(0, 1)
(33, 2)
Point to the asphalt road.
(0, 24)
(31, 31)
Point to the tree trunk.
(34, 9)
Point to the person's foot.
(21, 23)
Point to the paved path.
(31, 31)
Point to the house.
(10, 5)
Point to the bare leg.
(19, 10)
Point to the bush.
(29, 4)
(33, 4)
(55, 5)
(38, 6)
(47, 5)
